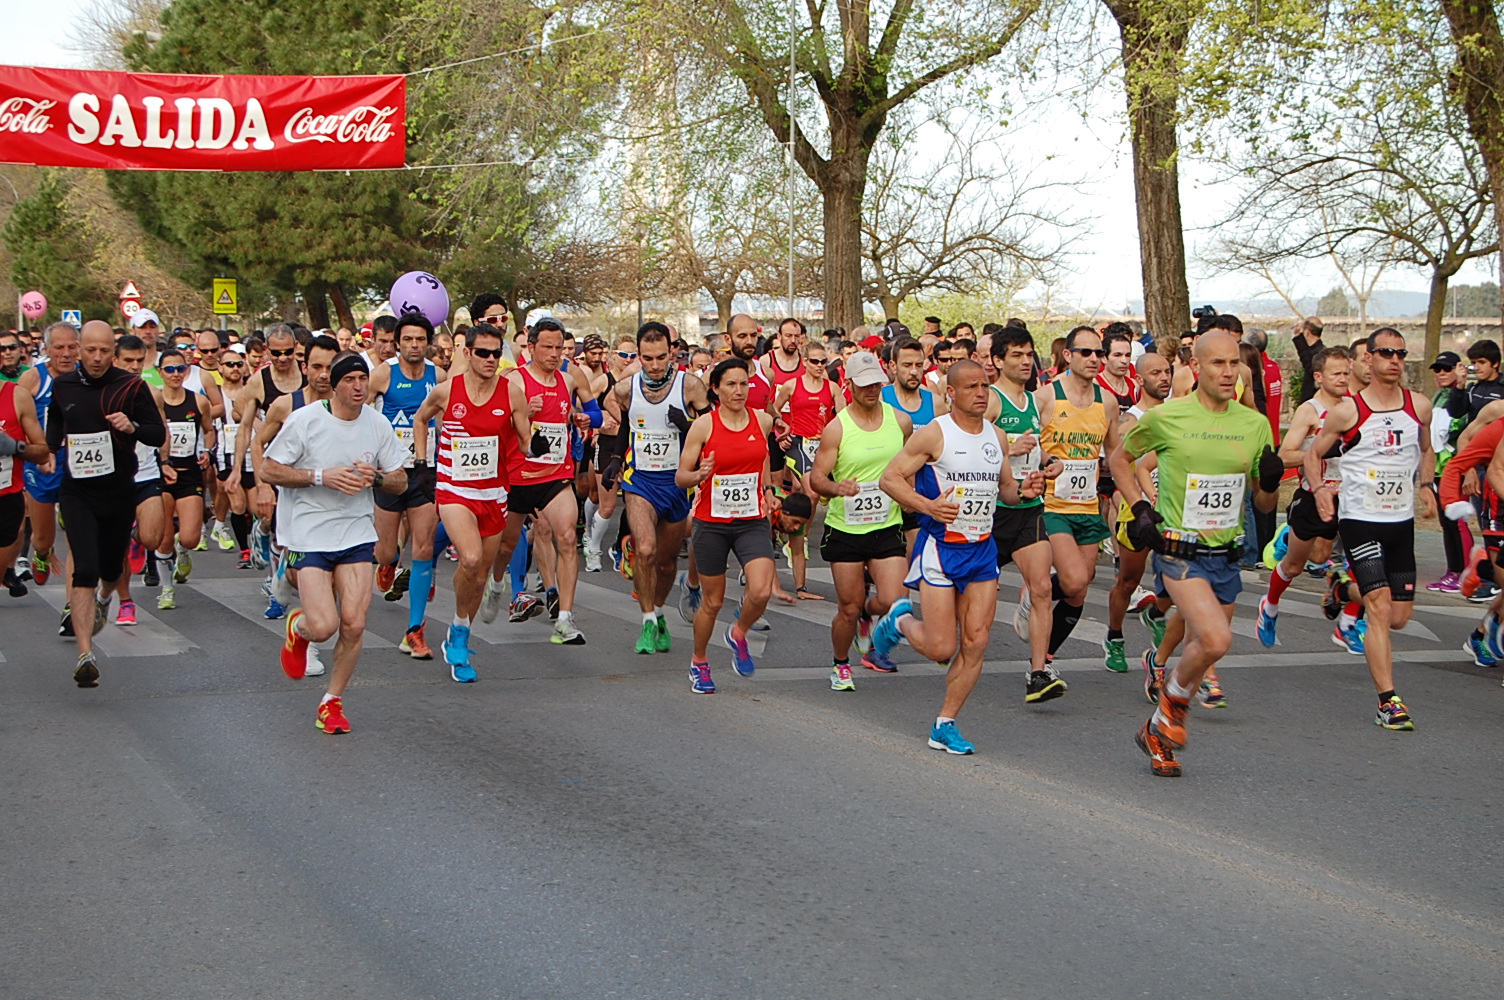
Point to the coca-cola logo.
(365, 123)
(24, 114)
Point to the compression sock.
(1056, 594)
(240, 524)
(1277, 584)
(598, 528)
(1065, 619)
(1349, 616)
(518, 566)
(417, 592)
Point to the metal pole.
(790, 157)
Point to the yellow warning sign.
(224, 297)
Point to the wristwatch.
(379, 480)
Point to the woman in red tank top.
(725, 456)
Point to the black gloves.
(1271, 470)
(1145, 529)
(539, 445)
(10, 446)
(679, 419)
(610, 470)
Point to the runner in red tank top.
(21, 440)
(725, 456)
(809, 404)
(785, 362)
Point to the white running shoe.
(490, 602)
(1141, 599)
(1021, 616)
(315, 665)
(592, 560)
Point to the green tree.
(1334, 303)
(49, 256)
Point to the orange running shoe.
(294, 649)
(385, 577)
(1470, 577)
(1161, 758)
(414, 645)
(1170, 719)
(331, 718)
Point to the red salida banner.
(168, 121)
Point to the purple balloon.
(421, 292)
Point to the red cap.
(367, 327)
(872, 341)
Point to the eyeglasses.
(286, 352)
(486, 352)
(173, 369)
(232, 364)
(1089, 352)
(1391, 352)
(10, 347)
(626, 355)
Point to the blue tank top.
(403, 395)
(924, 415)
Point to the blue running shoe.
(1493, 638)
(261, 546)
(873, 660)
(1480, 652)
(274, 609)
(456, 647)
(945, 736)
(1266, 623)
(885, 634)
(1351, 638)
(699, 679)
(741, 656)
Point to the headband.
(344, 366)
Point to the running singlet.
(777, 376)
(470, 461)
(269, 391)
(1206, 464)
(1331, 468)
(401, 400)
(809, 412)
(734, 490)
(969, 466)
(920, 417)
(183, 433)
(1075, 437)
(552, 421)
(1016, 423)
(759, 390)
(863, 456)
(1380, 456)
(11, 479)
(1125, 399)
(653, 444)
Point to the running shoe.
(294, 649)
(699, 679)
(647, 639)
(400, 584)
(203, 544)
(567, 633)
(1493, 637)
(1318, 570)
(1043, 685)
(840, 677)
(136, 555)
(222, 536)
(183, 567)
(65, 625)
(167, 598)
(1333, 600)
(414, 645)
(315, 667)
(274, 609)
(863, 631)
(245, 559)
(551, 602)
(1468, 583)
(592, 560)
(1021, 615)
(282, 588)
(126, 616)
(451, 553)
(1485, 593)
(385, 577)
(524, 606)
(1156, 624)
(741, 656)
(41, 567)
(23, 569)
(662, 641)
(1351, 638)
(13, 584)
(615, 553)
(87, 674)
(1450, 583)
(149, 576)
(873, 660)
(885, 634)
(331, 718)
(1115, 658)
(945, 736)
(1141, 599)
(1478, 649)
(261, 546)
(689, 600)
(628, 557)
(1154, 676)
(1279, 545)
(1161, 756)
(1171, 727)
(1394, 715)
(456, 649)
(761, 625)
(1267, 624)
(490, 602)
(101, 614)
(1210, 693)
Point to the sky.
(1104, 269)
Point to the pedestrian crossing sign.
(224, 297)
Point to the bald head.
(96, 347)
(742, 332)
(98, 327)
(740, 323)
(1215, 359)
(1214, 343)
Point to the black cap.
(896, 329)
(1446, 361)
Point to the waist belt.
(1179, 548)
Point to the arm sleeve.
(150, 430)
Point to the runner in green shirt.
(12, 358)
(1210, 451)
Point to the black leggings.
(1451, 541)
(99, 532)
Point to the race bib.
(1077, 482)
(557, 436)
(735, 496)
(1213, 503)
(226, 443)
(1026, 463)
(182, 435)
(870, 505)
(655, 451)
(977, 502)
(410, 442)
(1331, 473)
(472, 458)
(90, 455)
(7, 468)
(1386, 490)
(810, 446)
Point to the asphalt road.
(579, 825)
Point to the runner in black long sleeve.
(97, 415)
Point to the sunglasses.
(486, 352)
(232, 364)
(1089, 352)
(284, 353)
(1391, 352)
(626, 355)
(173, 369)
(10, 347)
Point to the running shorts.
(949, 564)
(490, 515)
(12, 513)
(1087, 529)
(1381, 554)
(531, 498)
(421, 485)
(326, 561)
(670, 502)
(1305, 522)
(843, 547)
(43, 488)
(715, 541)
(1219, 571)
(1015, 528)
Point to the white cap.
(143, 317)
(536, 315)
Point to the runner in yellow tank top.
(1078, 430)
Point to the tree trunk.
(342, 306)
(890, 304)
(317, 304)
(1479, 80)
(1436, 310)
(846, 185)
(1151, 50)
(723, 301)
